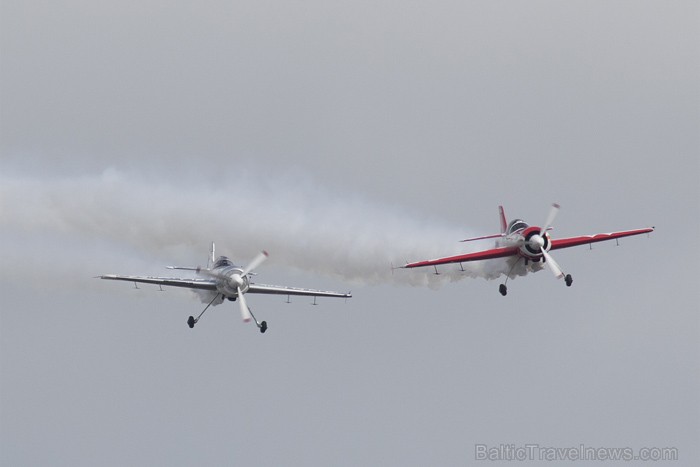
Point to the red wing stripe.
(585, 239)
(479, 255)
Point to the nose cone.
(235, 281)
(537, 241)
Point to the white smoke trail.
(300, 224)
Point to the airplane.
(225, 280)
(522, 242)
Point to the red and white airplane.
(527, 243)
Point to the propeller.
(255, 262)
(237, 280)
(245, 312)
(537, 242)
(550, 218)
(553, 266)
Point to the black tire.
(263, 327)
(569, 280)
(191, 322)
(503, 289)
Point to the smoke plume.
(300, 224)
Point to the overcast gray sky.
(342, 137)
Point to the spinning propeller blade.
(245, 312)
(553, 266)
(550, 218)
(257, 261)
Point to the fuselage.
(526, 238)
(230, 278)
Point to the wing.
(202, 284)
(510, 251)
(584, 239)
(282, 290)
(478, 256)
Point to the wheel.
(569, 280)
(503, 289)
(191, 322)
(263, 327)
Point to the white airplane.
(519, 241)
(225, 280)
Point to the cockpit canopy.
(516, 225)
(222, 261)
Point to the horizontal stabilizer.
(184, 268)
(483, 238)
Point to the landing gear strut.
(502, 288)
(261, 325)
(191, 321)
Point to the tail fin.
(504, 223)
(213, 258)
